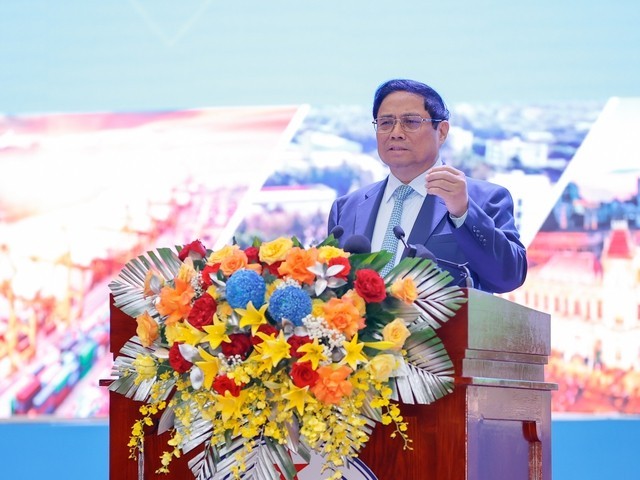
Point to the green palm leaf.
(216, 462)
(428, 374)
(437, 301)
(128, 287)
(125, 372)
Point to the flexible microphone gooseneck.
(411, 250)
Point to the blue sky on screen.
(128, 55)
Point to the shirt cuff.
(458, 221)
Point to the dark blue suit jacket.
(488, 241)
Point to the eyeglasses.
(409, 123)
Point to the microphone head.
(357, 244)
(398, 232)
(424, 252)
(337, 231)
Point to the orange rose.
(405, 290)
(296, 263)
(344, 316)
(219, 255)
(357, 300)
(256, 267)
(147, 329)
(175, 302)
(332, 384)
(235, 261)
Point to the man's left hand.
(450, 184)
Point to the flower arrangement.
(256, 353)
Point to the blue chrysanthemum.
(290, 302)
(245, 286)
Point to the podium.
(496, 425)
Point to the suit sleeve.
(333, 219)
(491, 242)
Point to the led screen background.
(69, 225)
(66, 236)
(579, 217)
(528, 83)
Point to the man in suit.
(460, 220)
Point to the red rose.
(177, 361)
(202, 311)
(207, 272)
(296, 341)
(252, 254)
(265, 328)
(344, 273)
(273, 268)
(195, 250)
(240, 345)
(370, 285)
(222, 384)
(303, 375)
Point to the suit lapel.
(431, 214)
(368, 209)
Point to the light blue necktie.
(390, 242)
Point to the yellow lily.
(253, 317)
(210, 366)
(216, 333)
(353, 352)
(187, 333)
(381, 345)
(296, 397)
(313, 352)
(274, 349)
(228, 405)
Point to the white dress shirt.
(410, 210)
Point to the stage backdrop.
(81, 194)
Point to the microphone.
(357, 244)
(420, 251)
(411, 250)
(337, 231)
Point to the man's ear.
(443, 131)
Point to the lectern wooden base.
(477, 433)
(496, 425)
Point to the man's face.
(409, 154)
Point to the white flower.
(325, 276)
